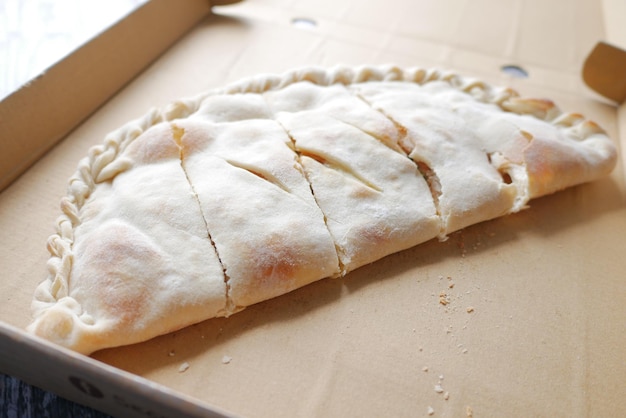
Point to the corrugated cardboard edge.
(42, 112)
(92, 383)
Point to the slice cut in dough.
(258, 207)
(248, 192)
(375, 200)
(141, 261)
(468, 188)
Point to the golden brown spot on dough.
(275, 261)
(278, 270)
(363, 192)
(590, 127)
(114, 269)
(540, 108)
(543, 104)
(544, 165)
(378, 234)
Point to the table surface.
(20, 400)
(34, 35)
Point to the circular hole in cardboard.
(304, 23)
(514, 71)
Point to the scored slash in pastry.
(245, 193)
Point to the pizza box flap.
(604, 70)
(532, 321)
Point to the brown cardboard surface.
(535, 322)
(605, 71)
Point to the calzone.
(247, 192)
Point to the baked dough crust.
(247, 192)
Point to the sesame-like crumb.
(469, 412)
(438, 389)
(183, 367)
(430, 410)
(470, 309)
(226, 359)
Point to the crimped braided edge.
(102, 163)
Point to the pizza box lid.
(533, 315)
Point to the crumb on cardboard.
(183, 367)
(469, 412)
(438, 388)
(470, 309)
(444, 299)
(430, 410)
(226, 359)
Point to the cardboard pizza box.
(533, 321)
